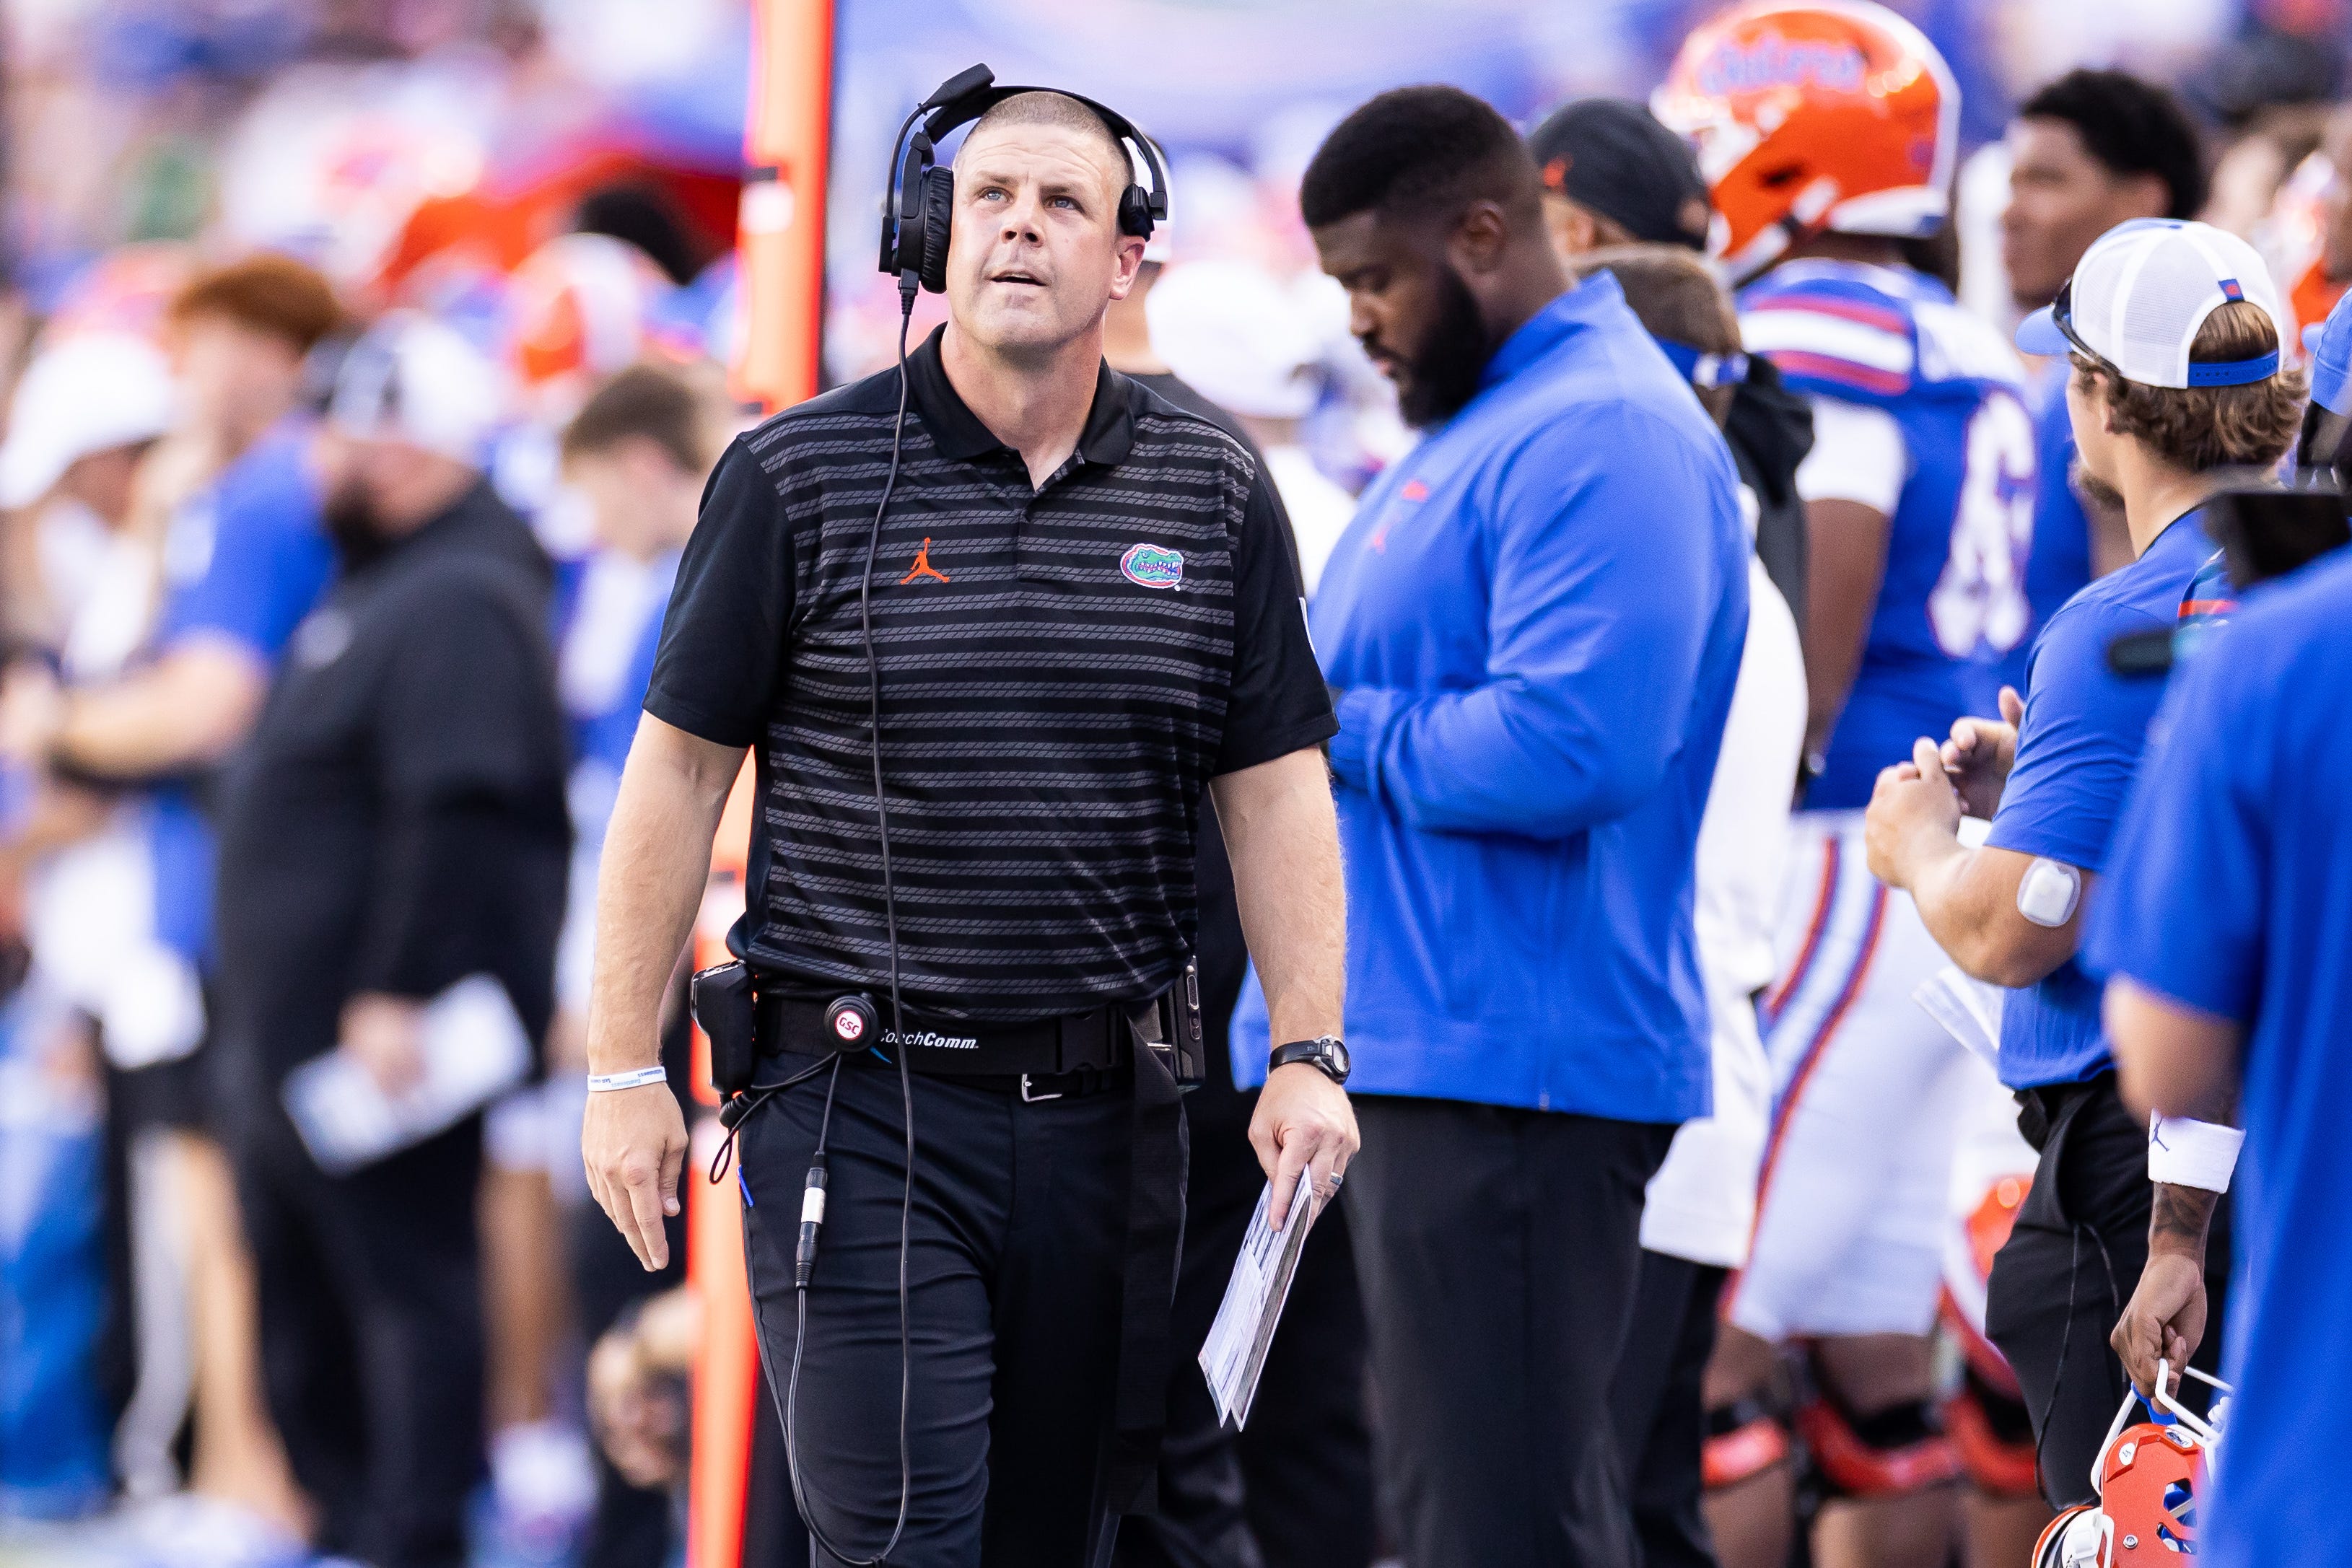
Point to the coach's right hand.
(633, 1141)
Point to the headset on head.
(920, 201)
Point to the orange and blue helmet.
(2150, 1478)
(1833, 116)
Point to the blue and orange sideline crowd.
(1799, 980)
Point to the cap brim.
(2039, 334)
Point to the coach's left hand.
(1914, 813)
(1303, 1122)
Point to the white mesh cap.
(413, 379)
(2141, 293)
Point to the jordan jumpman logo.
(923, 567)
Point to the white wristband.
(634, 1078)
(2184, 1152)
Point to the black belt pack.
(743, 1024)
(720, 999)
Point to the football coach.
(1081, 612)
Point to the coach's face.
(1036, 258)
(1408, 306)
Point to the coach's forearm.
(656, 863)
(1282, 838)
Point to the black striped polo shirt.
(1063, 668)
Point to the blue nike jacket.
(1536, 619)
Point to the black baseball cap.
(1611, 156)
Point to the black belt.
(1074, 1053)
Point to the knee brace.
(1992, 1435)
(1743, 1440)
(1897, 1452)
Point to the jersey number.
(1979, 601)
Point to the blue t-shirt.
(2230, 891)
(245, 558)
(1952, 603)
(2077, 751)
(2061, 562)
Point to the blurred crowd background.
(557, 181)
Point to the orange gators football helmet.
(2149, 1479)
(1835, 115)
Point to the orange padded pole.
(779, 243)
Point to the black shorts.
(2073, 1258)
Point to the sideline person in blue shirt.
(245, 557)
(637, 452)
(2088, 150)
(2153, 429)
(2222, 933)
(1533, 626)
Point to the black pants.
(1497, 1250)
(1661, 1415)
(370, 1293)
(1294, 1488)
(2073, 1258)
(1014, 1287)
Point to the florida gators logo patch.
(1149, 565)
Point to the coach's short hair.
(1044, 107)
(1419, 150)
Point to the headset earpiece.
(1135, 212)
(938, 217)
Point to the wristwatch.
(1327, 1052)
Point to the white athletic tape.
(2048, 892)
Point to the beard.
(2095, 489)
(354, 525)
(1443, 374)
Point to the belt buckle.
(1029, 1099)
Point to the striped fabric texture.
(1063, 669)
